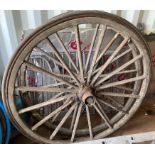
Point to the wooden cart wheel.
(95, 71)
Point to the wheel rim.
(89, 88)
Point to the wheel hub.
(86, 95)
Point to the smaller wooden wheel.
(79, 77)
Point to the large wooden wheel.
(81, 76)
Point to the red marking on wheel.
(73, 45)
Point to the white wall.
(13, 22)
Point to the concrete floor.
(142, 121)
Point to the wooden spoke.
(124, 88)
(77, 37)
(43, 89)
(119, 94)
(56, 74)
(54, 85)
(113, 106)
(109, 60)
(91, 47)
(57, 84)
(74, 117)
(46, 118)
(57, 95)
(107, 47)
(118, 69)
(121, 55)
(55, 117)
(76, 122)
(122, 72)
(103, 115)
(62, 121)
(96, 53)
(89, 122)
(40, 70)
(66, 51)
(49, 102)
(115, 101)
(121, 82)
(62, 61)
(37, 49)
(128, 71)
